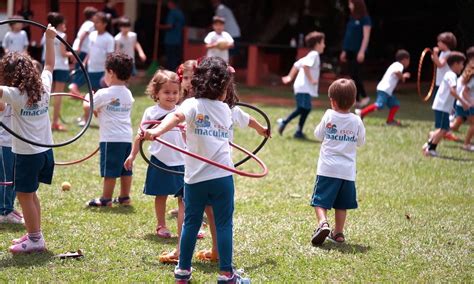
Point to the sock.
(432, 146)
(391, 114)
(34, 237)
(368, 109)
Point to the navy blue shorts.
(112, 157)
(159, 182)
(95, 78)
(334, 193)
(30, 170)
(460, 111)
(384, 99)
(61, 76)
(441, 120)
(303, 100)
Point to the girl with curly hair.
(28, 94)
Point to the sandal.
(337, 238)
(124, 201)
(320, 234)
(206, 255)
(163, 232)
(169, 257)
(58, 127)
(100, 202)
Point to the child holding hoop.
(206, 114)
(466, 91)
(341, 132)
(113, 106)
(27, 91)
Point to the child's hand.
(149, 134)
(342, 57)
(436, 50)
(360, 57)
(50, 32)
(286, 79)
(314, 81)
(264, 132)
(128, 165)
(142, 56)
(406, 75)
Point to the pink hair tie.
(230, 69)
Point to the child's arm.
(439, 62)
(263, 131)
(25, 42)
(49, 54)
(139, 49)
(320, 129)
(365, 43)
(361, 134)
(402, 76)
(465, 103)
(291, 75)
(466, 95)
(307, 72)
(128, 165)
(3, 105)
(5, 42)
(81, 40)
(167, 124)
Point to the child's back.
(302, 84)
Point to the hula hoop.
(89, 86)
(418, 81)
(224, 167)
(6, 183)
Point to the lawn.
(414, 223)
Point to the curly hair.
(160, 78)
(211, 78)
(18, 70)
(231, 97)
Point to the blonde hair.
(468, 73)
(160, 78)
(187, 66)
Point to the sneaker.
(469, 148)
(281, 126)
(299, 135)
(393, 123)
(451, 137)
(235, 278)
(430, 153)
(20, 239)
(320, 234)
(13, 218)
(81, 123)
(28, 246)
(364, 101)
(182, 275)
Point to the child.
(218, 41)
(113, 107)
(185, 73)
(15, 40)
(444, 100)
(386, 87)
(7, 193)
(81, 43)
(293, 72)
(206, 113)
(467, 93)
(28, 94)
(341, 132)
(306, 83)
(164, 90)
(126, 42)
(445, 43)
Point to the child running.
(206, 113)
(28, 94)
(126, 42)
(113, 106)
(387, 85)
(466, 91)
(15, 40)
(341, 132)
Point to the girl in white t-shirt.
(208, 130)
(28, 94)
(445, 43)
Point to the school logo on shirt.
(34, 110)
(115, 105)
(332, 133)
(204, 127)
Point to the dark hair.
(314, 38)
(231, 97)
(124, 22)
(360, 9)
(470, 53)
(160, 78)
(449, 39)
(211, 78)
(218, 19)
(121, 64)
(18, 70)
(101, 16)
(89, 12)
(343, 92)
(455, 57)
(55, 19)
(402, 54)
(15, 17)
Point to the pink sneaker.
(20, 240)
(28, 246)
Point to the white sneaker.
(469, 148)
(364, 101)
(28, 246)
(430, 153)
(12, 218)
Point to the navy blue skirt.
(159, 182)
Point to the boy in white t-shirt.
(444, 101)
(15, 40)
(387, 85)
(306, 83)
(113, 106)
(445, 43)
(218, 41)
(341, 132)
(126, 42)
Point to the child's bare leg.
(212, 228)
(125, 186)
(470, 131)
(30, 211)
(38, 208)
(160, 208)
(456, 124)
(438, 135)
(109, 185)
(340, 220)
(321, 214)
(58, 87)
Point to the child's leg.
(125, 186)
(340, 220)
(160, 209)
(438, 136)
(470, 131)
(457, 123)
(321, 214)
(394, 105)
(7, 193)
(180, 221)
(58, 87)
(304, 115)
(109, 185)
(295, 113)
(31, 211)
(392, 113)
(212, 228)
(368, 109)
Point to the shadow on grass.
(153, 238)
(346, 248)
(443, 157)
(26, 260)
(207, 267)
(12, 227)
(268, 263)
(113, 210)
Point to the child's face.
(186, 82)
(99, 25)
(16, 27)
(320, 46)
(351, 6)
(61, 27)
(168, 95)
(457, 67)
(442, 46)
(405, 62)
(124, 30)
(218, 27)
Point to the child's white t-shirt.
(340, 134)
(213, 37)
(86, 27)
(127, 43)
(15, 41)
(114, 107)
(443, 100)
(302, 83)
(163, 153)
(60, 62)
(6, 118)
(460, 89)
(208, 127)
(441, 71)
(31, 122)
(390, 79)
(99, 46)
(240, 119)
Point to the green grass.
(273, 221)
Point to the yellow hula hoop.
(426, 97)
